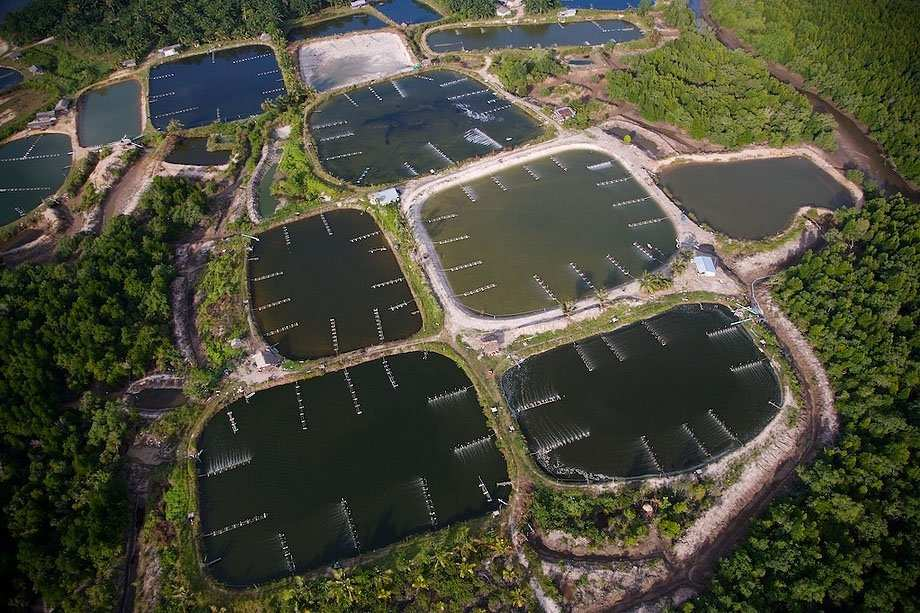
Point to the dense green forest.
(728, 97)
(70, 331)
(864, 55)
(133, 27)
(850, 540)
(471, 9)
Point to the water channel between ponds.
(398, 129)
(752, 199)
(31, 169)
(597, 32)
(339, 25)
(108, 114)
(223, 85)
(555, 229)
(407, 12)
(308, 473)
(329, 284)
(661, 396)
(267, 202)
(195, 152)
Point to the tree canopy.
(68, 332)
(848, 540)
(865, 56)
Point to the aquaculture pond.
(554, 34)
(31, 169)
(195, 152)
(662, 396)
(329, 284)
(158, 398)
(267, 201)
(9, 78)
(394, 130)
(600, 5)
(407, 12)
(108, 114)
(340, 25)
(223, 85)
(550, 231)
(752, 199)
(308, 473)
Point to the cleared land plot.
(324, 469)
(398, 129)
(329, 284)
(549, 231)
(223, 85)
(661, 396)
(333, 63)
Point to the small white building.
(169, 51)
(385, 196)
(502, 11)
(705, 265)
(129, 64)
(358, 4)
(567, 13)
(563, 113)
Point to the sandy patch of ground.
(339, 62)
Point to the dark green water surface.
(267, 202)
(340, 25)
(395, 130)
(222, 85)
(407, 11)
(752, 199)
(159, 398)
(538, 219)
(108, 114)
(661, 396)
(343, 464)
(597, 32)
(195, 152)
(344, 276)
(31, 169)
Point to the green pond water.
(752, 199)
(339, 25)
(194, 152)
(108, 114)
(596, 32)
(398, 129)
(334, 266)
(31, 169)
(267, 201)
(661, 396)
(158, 398)
(537, 234)
(342, 464)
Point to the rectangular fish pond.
(661, 396)
(356, 22)
(308, 473)
(108, 114)
(194, 152)
(408, 12)
(223, 85)
(752, 199)
(31, 169)
(329, 284)
(395, 130)
(577, 33)
(552, 230)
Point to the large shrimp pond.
(356, 22)
(407, 12)
(223, 85)
(597, 32)
(108, 114)
(395, 130)
(308, 473)
(329, 284)
(549, 231)
(661, 396)
(752, 199)
(31, 169)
